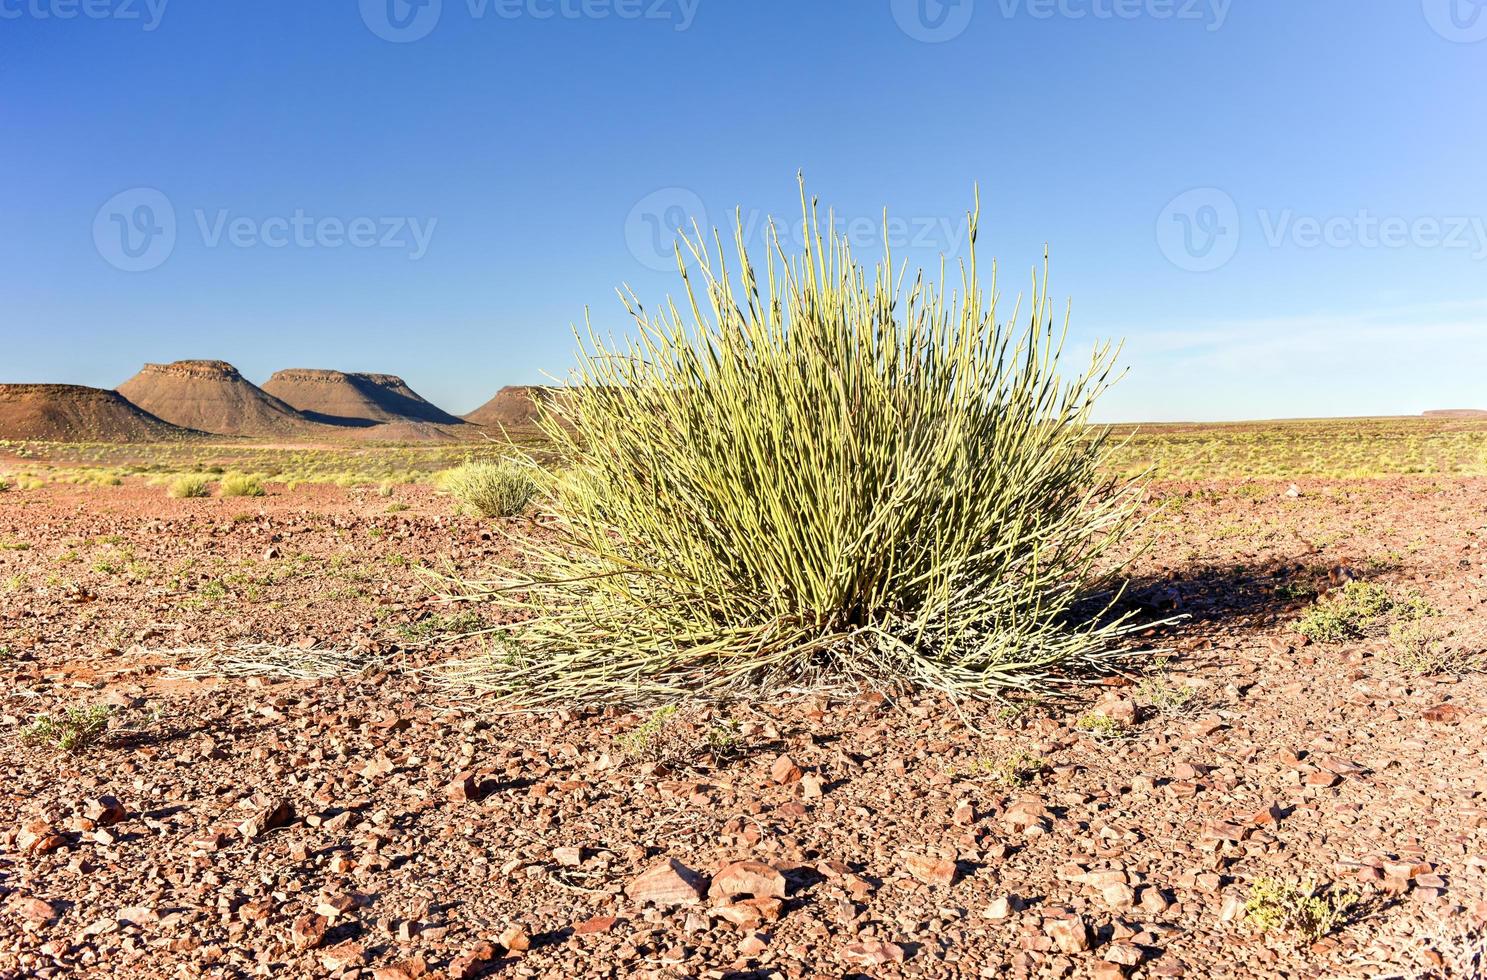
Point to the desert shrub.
(190, 486)
(4, 484)
(1347, 613)
(675, 737)
(1305, 909)
(1420, 647)
(1102, 728)
(77, 730)
(241, 485)
(807, 472)
(490, 489)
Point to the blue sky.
(1279, 204)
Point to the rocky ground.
(359, 819)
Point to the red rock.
(668, 883)
(753, 944)
(343, 957)
(472, 961)
(39, 837)
(268, 814)
(871, 954)
(1444, 714)
(930, 870)
(750, 913)
(34, 910)
(598, 924)
(747, 878)
(105, 811)
(1070, 935)
(516, 940)
(465, 788)
(308, 931)
(785, 771)
(568, 857)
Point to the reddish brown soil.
(897, 847)
(70, 413)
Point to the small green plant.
(1165, 697)
(435, 627)
(396, 508)
(190, 487)
(1419, 647)
(1102, 728)
(79, 729)
(1017, 769)
(1349, 613)
(672, 737)
(490, 489)
(242, 485)
(4, 485)
(1306, 909)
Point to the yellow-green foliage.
(807, 471)
(1305, 909)
(1357, 610)
(187, 487)
(501, 489)
(77, 730)
(240, 485)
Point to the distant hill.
(351, 399)
(211, 396)
(1457, 413)
(73, 413)
(513, 406)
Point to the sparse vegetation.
(674, 737)
(501, 489)
(834, 479)
(1102, 728)
(1348, 613)
(241, 485)
(1305, 909)
(1420, 647)
(77, 730)
(190, 487)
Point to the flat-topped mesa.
(354, 399)
(514, 405)
(206, 369)
(211, 396)
(76, 413)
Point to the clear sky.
(1280, 204)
